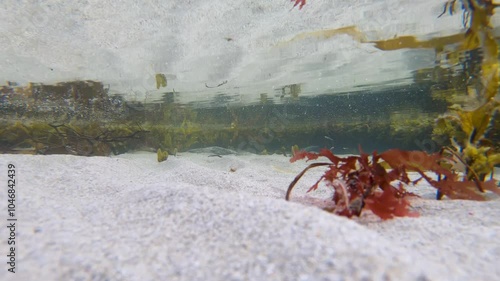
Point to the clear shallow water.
(334, 74)
(399, 117)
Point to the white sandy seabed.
(129, 217)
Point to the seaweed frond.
(299, 3)
(162, 155)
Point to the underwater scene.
(250, 140)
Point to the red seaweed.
(301, 3)
(376, 183)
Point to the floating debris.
(218, 85)
(162, 155)
(161, 80)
